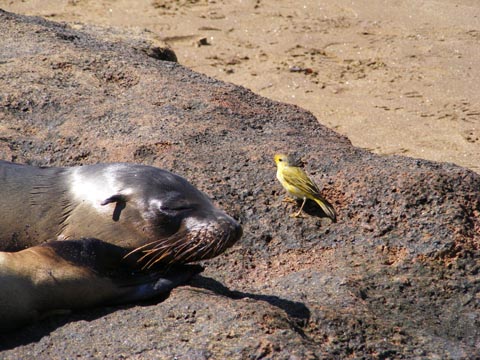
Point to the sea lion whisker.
(155, 260)
(144, 257)
(192, 254)
(195, 250)
(167, 242)
(136, 250)
(149, 252)
(156, 254)
(186, 253)
(154, 245)
(184, 249)
(181, 247)
(148, 264)
(167, 245)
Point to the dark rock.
(396, 277)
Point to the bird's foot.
(289, 200)
(297, 215)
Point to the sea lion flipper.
(75, 274)
(57, 275)
(178, 276)
(139, 288)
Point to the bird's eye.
(280, 160)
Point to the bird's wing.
(296, 177)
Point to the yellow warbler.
(299, 185)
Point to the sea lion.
(75, 237)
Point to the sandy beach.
(394, 77)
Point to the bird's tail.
(326, 207)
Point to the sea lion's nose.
(237, 231)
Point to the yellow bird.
(300, 186)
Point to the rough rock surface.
(398, 276)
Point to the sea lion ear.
(117, 198)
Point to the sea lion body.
(99, 233)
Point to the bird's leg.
(301, 208)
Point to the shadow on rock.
(312, 209)
(296, 310)
(34, 332)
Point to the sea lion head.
(156, 214)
